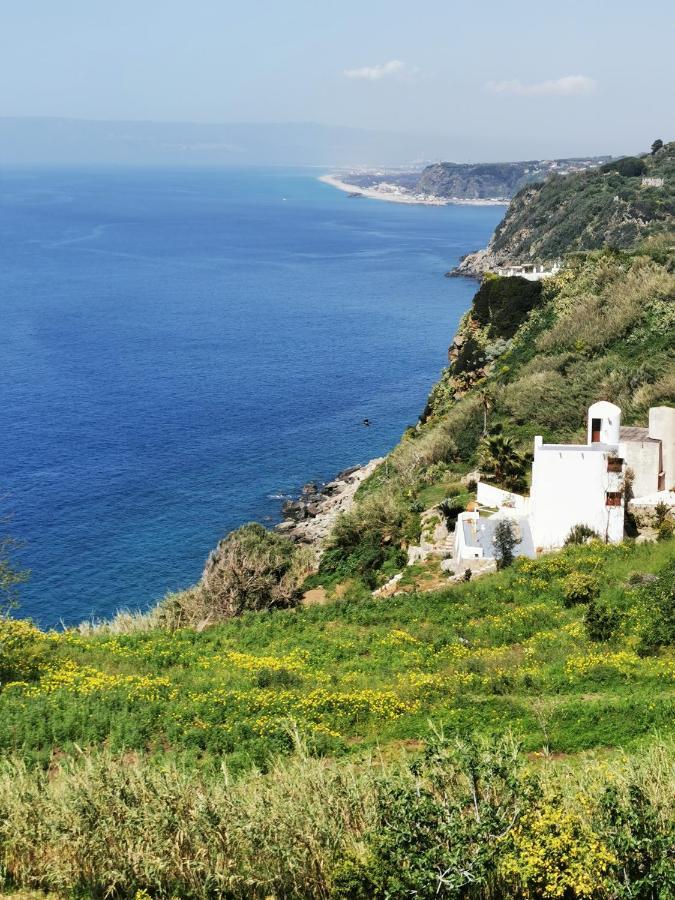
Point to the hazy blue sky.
(591, 76)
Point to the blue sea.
(181, 349)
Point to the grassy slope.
(500, 653)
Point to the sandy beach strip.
(396, 195)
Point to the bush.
(370, 536)
(23, 650)
(469, 358)
(601, 621)
(658, 605)
(503, 303)
(252, 569)
(450, 509)
(641, 840)
(627, 167)
(579, 588)
(437, 834)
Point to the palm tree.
(500, 458)
(486, 401)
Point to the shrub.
(10, 576)
(450, 509)
(657, 600)
(545, 398)
(601, 621)
(641, 839)
(370, 535)
(581, 534)
(499, 458)
(252, 569)
(439, 833)
(503, 303)
(579, 588)
(661, 511)
(555, 853)
(470, 357)
(23, 650)
(627, 167)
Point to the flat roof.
(636, 434)
(586, 448)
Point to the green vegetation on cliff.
(529, 359)
(613, 206)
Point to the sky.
(527, 78)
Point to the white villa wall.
(569, 485)
(643, 458)
(489, 495)
(662, 427)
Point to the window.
(613, 498)
(595, 430)
(614, 464)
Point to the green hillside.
(114, 744)
(615, 205)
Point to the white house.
(574, 484)
(528, 271)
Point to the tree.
(499, 458)
(504, 541)
(487, 402)
(656, 146)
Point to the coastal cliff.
(615, 206)
(493, 180)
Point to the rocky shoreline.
(310, 518)
(474, 265)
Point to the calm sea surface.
(179, 349)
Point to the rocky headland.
(310, 518)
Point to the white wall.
(462, 551)
(662, 427)
(489, 495)
(643, 457)
(569, 484)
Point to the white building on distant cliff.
(579, 484)
(529, 271)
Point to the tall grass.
(315, 829)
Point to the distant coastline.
(395, 194)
